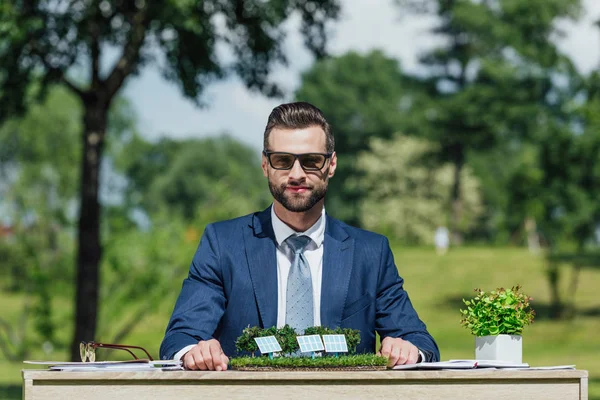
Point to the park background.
(482, 116)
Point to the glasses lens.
(91, 352)
(282, 160)
(83, 351)
(312, 161)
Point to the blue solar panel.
(335, 343)
(310, 343)
(267, 344)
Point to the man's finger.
(386, 347)
(404, 352)
(413, 355)
(207, 357)
(200, 360)
(188, 361)
(394, 355)
(225, 361)
(215, 353)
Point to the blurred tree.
(497, 66)
(183, 175)
(362, 96)
(555, 181)
(404, 197)
(43, 39)
(570, 159)
(39, 186)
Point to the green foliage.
(246, 340)
(405, 196)
(356, 360)
(193, 177)
(12, 275)
(37, 153)
(499, 312)
(490, 85)
(286, 336)
(38, 185)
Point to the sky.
(364, 25)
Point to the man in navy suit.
(341, 277)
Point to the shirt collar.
(282, 231)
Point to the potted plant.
(497, 320)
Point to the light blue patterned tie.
(299, 296)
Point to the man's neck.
(298, 221)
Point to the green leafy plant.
(286, 336)
(501, 311)
(246, 341)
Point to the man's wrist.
(179, 355)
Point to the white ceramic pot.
(500, 348)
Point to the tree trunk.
(89, 250)
(456, 199)
(556, 305)
(576, 267)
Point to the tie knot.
(298, 243)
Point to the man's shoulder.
(233, 223)
(358, 233)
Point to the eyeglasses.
(87, 350)
(308, 161)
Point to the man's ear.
(332, 165)
(264, 165)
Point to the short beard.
(297, 204)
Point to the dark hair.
(298, 115)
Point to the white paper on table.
(452, 364)
(104, 369)
(129, 365)
(496, 364)
(550, 367)
(166, 362)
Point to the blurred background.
(127, 126)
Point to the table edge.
(46, 375)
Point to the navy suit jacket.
(232, 284)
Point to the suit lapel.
(338, 252)
(262, 262)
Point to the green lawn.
(436, 284)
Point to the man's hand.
(206, 355)
(399, 351)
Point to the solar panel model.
(335, 343)
(268, 344)
(310, 343)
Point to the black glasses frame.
(298, 157)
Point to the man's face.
(297, 189)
